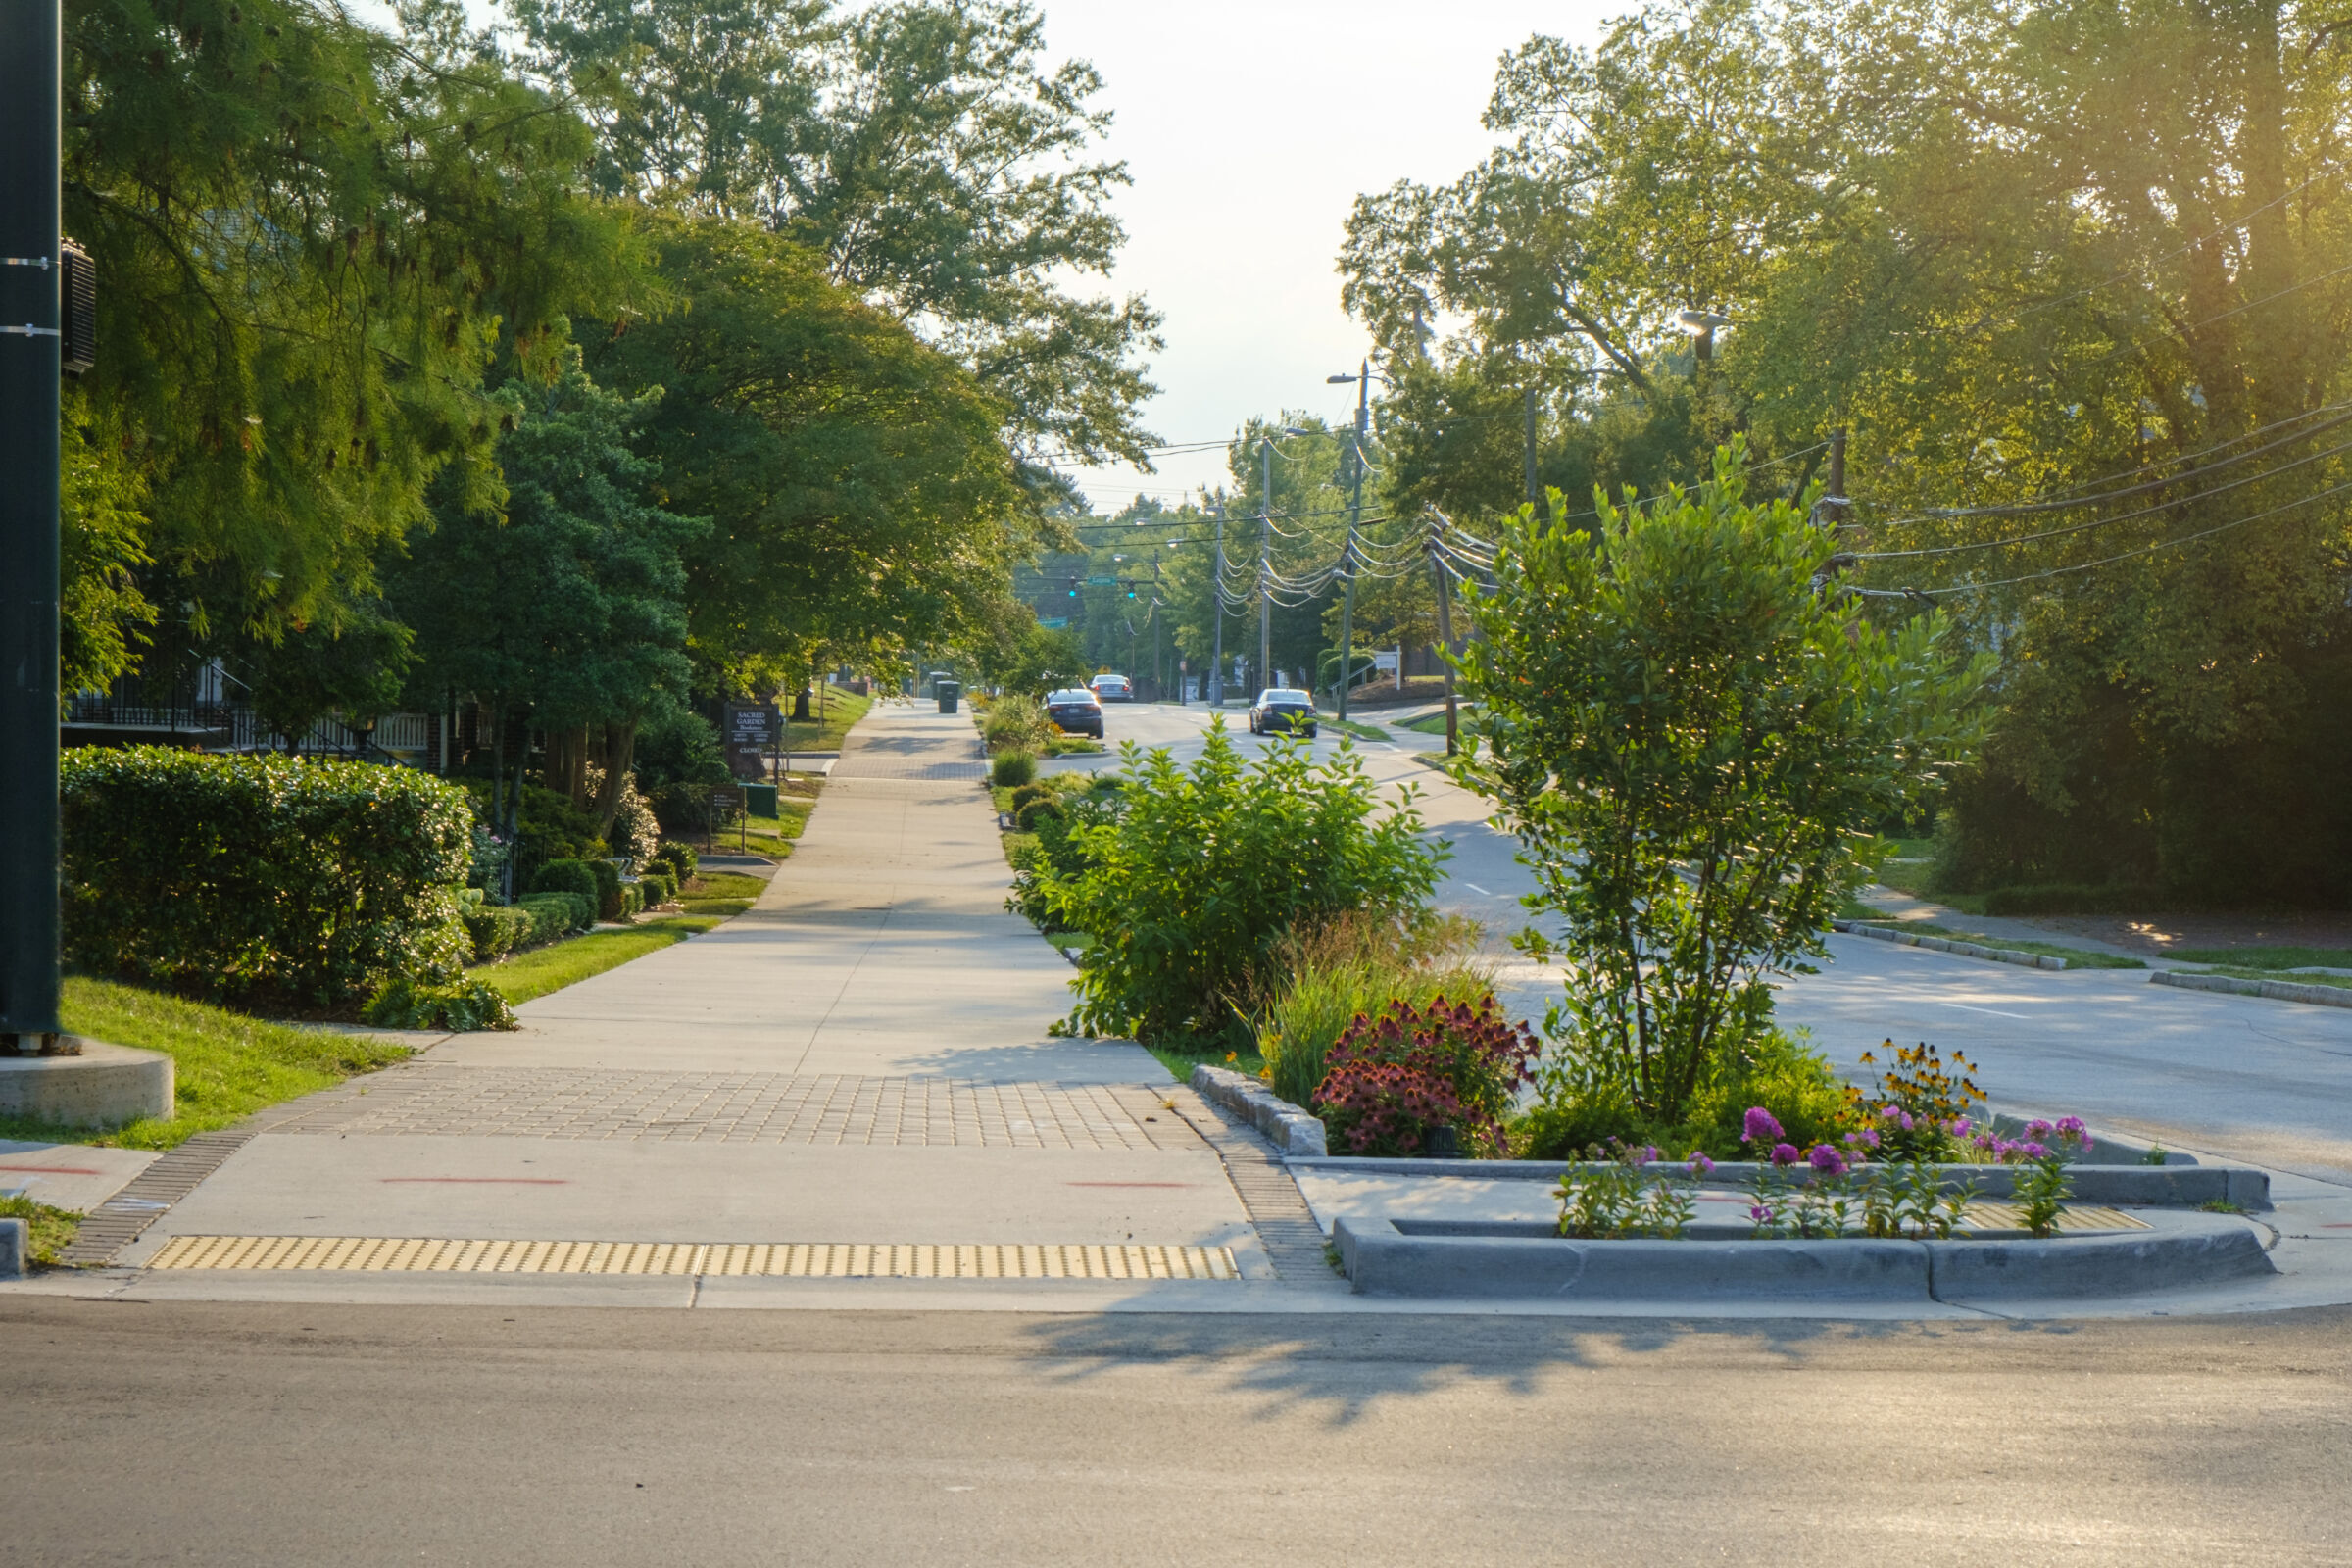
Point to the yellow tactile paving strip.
(1985, 1217)
(394, 1255)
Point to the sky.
(1249, 129)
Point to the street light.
(1363, 378)
(1701, 325)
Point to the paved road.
(209, 1434)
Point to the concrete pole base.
(100, 1086)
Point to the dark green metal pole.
(29, 500)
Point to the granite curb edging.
(1496, 1261)
(2276, 990)
(1295, 1132)
(2107, 1186)
(1965, 950)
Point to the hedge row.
(262, 877)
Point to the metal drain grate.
(771, 1259)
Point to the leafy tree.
(350, 665)
(919, 149)
(1034, 660)
(569, 606)
(316, 240)
(857, 484)
(1691, 742)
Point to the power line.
(2127, 516)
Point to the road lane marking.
(1995, 1011)
(1475, 888)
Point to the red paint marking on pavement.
(2338, 1227)
(485, 1180)
(1126, 1184)
(54, 1170)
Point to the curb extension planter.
(2111, 1186)
(1386, 1256)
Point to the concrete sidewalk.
(862, 1059)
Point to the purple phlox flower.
(1761, 1213)
(2030, 1149)
(1759, 1127)
(1826, 1160)
(1649, 1154)
(1865, 1138)
(1700, 1164)
(1890, 1112)
(1960, 1126)
(1984, 1140)
(2070, 1127)
(1785, 1154)
(1907, 1124)
(2037, 1129)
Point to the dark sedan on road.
(1282, 711)
(1076, 711)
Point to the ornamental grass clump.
(1392, 1079)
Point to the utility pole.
(1216, 611)
(31, 360)
(1266, 559)
(1444, 583)
(1834, 504)
(1531, 446)
(1355, 513)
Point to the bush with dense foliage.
(1191, 885)
(261, 878)
(498, 930)
(1027, 817)
(462, 1004)
(1390, 1079)
(568, 876)
(557, 915)
(1012, 769)
(1015, 723)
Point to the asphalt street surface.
(202, 1433)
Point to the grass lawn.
(51, 1231)
(2076, 957)
(1074, 745)
(842, 709)
(226, 1066)
(724, 894)
(2249, 972)
(1362, 732)
(1435, 723)
(541, 970)
(1182, 1062)
(2268, 958)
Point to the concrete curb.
(1966, 950)
(1290, 1129)
(14, 1233)
(2106, 1186)
(2276, 990)
(1491, 1261)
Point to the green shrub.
(1043, 790)
(567, 876)
(660, 886)
(549, 827)
(466, 1005)
(1190, 883)
(1012, 769)
(680, 857)
(1027, 817)
(557, 915)
(261, 878)
(1021, 852)
(1015, 723)
(497, 930)
(610, 902)
(1328, 973)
